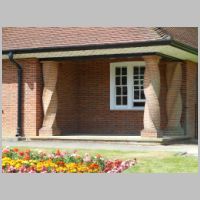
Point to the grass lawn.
(148, 161)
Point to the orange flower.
(98, 155)
(94, 165)
(16, 150)
(27, 157)
(27, 151)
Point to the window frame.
(130, 97)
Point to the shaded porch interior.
(83, 99)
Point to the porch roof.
(56, 42)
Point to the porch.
(77, 101)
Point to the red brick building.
(100, 81)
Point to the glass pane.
(118, 91)
(118, 100)
(136, 94)
(124, 71)
(138, 104)
(141, 82)
(136, 87)
(125, 100)
(142, 77)
(136, 82)
(124, 80)
(142, 94)
(117, 70)
(142, 70)
(136, 77)
(124, 90)
(117, 80)
(136, 70)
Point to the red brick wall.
(67, 92)
(31, 97)
(9, 99)
(95, 114)
(83, 99)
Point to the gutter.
(89, 47)
(166, 41)
(184, 47)
(19, 98)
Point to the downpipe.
(19, 95)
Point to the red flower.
(21, 153)
(94, 165)
(58, 152)
(5, 150)
(61, 163)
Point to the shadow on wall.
(10, 95)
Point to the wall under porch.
(84, 99)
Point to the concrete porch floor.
(120, 139)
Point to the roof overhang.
(169, 50)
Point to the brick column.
(191, 96)
(151, 91)
(174, 98)
(49, 98)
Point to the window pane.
(136, 82)
(136, 77)
(136, 87)
(125, 100)
(124, 80)
(138, 104)
(118, 100)
(124, 71)
(124, 90)
(141, 77)
(142, 70)
(117, 80)
(118, 91)
(136, 70)
(117, 70)
(142, 94)
(141, 82)
(136, 94)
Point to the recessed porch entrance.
(76, 99)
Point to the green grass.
(147, 161)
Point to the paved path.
(191, 149)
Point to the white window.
(126, 86)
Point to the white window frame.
(130, 65)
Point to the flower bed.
(28, 161)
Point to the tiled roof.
(185, 35)
(16, 38)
